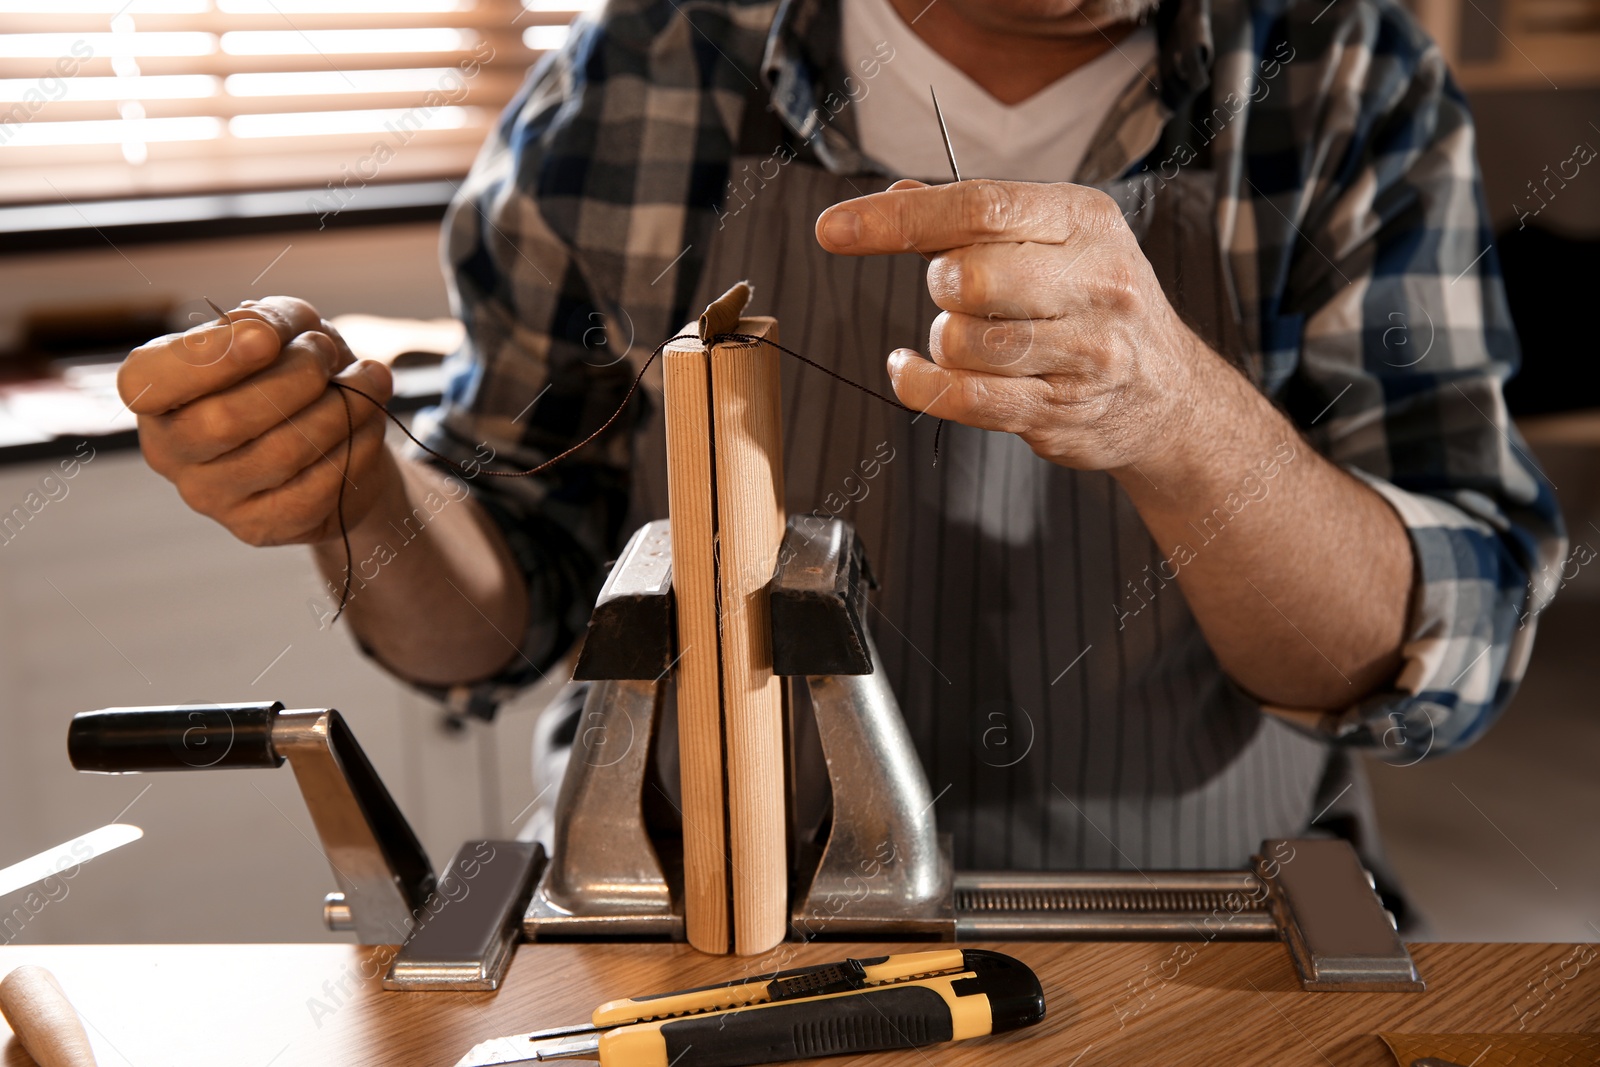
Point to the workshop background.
(158, 151)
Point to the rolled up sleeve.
(535, 375)
(571, 249)
(1469, 631)
(1406, 346)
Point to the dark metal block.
(466, 931)
(632, 634)
(1338, 932)
(818, 596)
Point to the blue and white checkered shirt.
(1326, 159)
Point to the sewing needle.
(223, 315)
(945, 130)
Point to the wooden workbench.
(1225, 1003)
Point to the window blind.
(115, 98)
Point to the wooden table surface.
(1228, 1003)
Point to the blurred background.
(156, 151)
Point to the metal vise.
(880, 869)
(868, 862)
(874, 866)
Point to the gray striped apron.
(1057, 731)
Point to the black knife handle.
(183, 737)
(975, 994)
(870, 1021)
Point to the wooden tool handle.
(43, 1019)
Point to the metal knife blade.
(529, 1048)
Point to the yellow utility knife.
(855, 1005)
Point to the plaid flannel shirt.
(1350, 212)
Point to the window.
(117, 98)
(1516, 44)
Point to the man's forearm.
(1054, 327)
(436, 593)
(1299, 575)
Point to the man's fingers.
(304, 508)
(1017, 281)
(314, 434)
(939, 217)
(317, 435)
(213, 425)
(289, 316)
(374, 379)
(173, 370)
(179, 368)
(1013, 348)
(987, 401)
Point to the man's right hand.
(242, 419)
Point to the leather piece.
(1497, 1050)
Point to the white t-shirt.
(1042, 139)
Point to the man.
(1228, 488)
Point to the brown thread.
(742, 338)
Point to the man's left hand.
(1054, 326)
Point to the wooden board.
(1237, 1004)
(750, 521)
(725, 495)
(687, 390)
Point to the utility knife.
(855, 1005)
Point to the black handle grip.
(1016, 999)
(890, 1018)
(180, 738)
